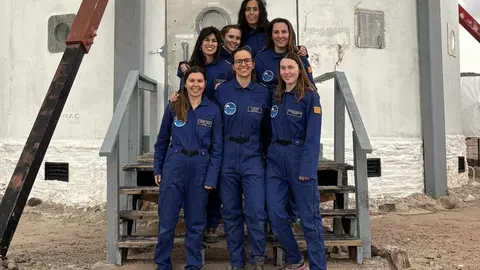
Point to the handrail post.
(339, 148)
(339, 129)
(113, 228)
(362, 201)
(153, 117)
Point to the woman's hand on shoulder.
(174, 97)
(208, 187)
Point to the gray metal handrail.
(134, 78)
(351, 105)
(343, 98)
(123, 143)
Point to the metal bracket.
(160, 51)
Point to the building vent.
(58, 30)
(374, 167)
(461, 164)
(58, 171)
(370, 29)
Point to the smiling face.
(243, 64)
(280, 35)
(195, 84)
(252, 12)
(210, 45)
(289, 71)
(231, 40)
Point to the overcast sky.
(472, 7)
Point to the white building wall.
(27, 68)
(386, 87)
(456, 145)
(385, 84)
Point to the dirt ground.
(433, 237)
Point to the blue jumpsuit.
(294, 152)
(244, 113)
(254, 40)
(217, 71)
(267, 67)
(187, 162)
(226, 55)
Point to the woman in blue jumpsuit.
(207, 54)
(245, 109)
(292, 160)
(231, 38)
(187, 160)
(280, 41)
(253, 21)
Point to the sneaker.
(298, 266)
(212, 236)
(258, 263)
(237, 268)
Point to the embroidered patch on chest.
(253, 109)
(218, 80)
(295, 113)
(178, 123)
(205, 123)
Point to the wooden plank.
(153, 190)
(149, 215)
(148, 241)
(324, 165)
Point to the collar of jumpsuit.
(237, 85)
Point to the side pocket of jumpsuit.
(168, 171)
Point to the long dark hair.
(303, 82)
(292, 44)
(180, 107)
(198, 58)
(262, 18)
(246, 49)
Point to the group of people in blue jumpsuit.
(240, 140)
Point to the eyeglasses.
(238, 62)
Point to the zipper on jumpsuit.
(242, 91)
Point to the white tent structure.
(470, 86)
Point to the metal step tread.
(147, 241)
(139, 214)
(153, 190)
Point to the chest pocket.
(295, 114)
(203, 126)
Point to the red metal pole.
(469, 23)
(78, 44)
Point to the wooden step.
(153, 190)
(152, 215)
(145, 163)
(144, 241)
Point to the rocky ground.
(416, 231)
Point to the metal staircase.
(128, 147)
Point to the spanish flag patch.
(317, 110)
(309, 69)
